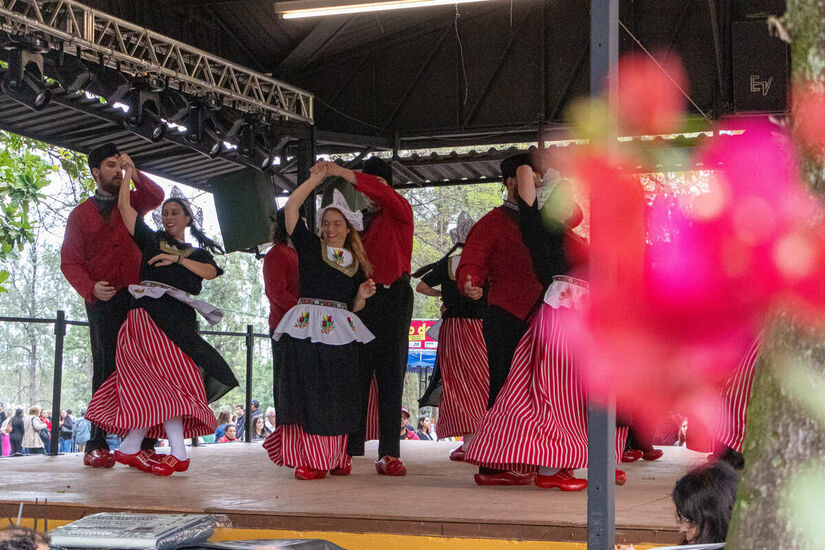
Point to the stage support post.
(250, 349)
(601, 429)
(57, 384)
(306, 159)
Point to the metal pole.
(601, 427)
(57, 385)
(250, 342)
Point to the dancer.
(318, 398)
(539, 420)
(388, 243)
(166, 373)
(494, 255)
(462, 355)
(100, 260)
(280, 282)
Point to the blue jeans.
(65, 446)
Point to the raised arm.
(147, 194)
(377, 190)
(526, 179)
(124, 197)
(292, 207)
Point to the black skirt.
(317, 386)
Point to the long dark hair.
(423, 270)
(705, 497)
(203, 241)
(278, 233)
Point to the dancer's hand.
(320, 169)
(366, 289)
(163, 259)
(126, 162)
(472, 291)
(103, 292)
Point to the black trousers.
(105, 319)
(387, 315)
(502, 332)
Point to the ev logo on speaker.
(760, 86)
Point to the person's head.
(23, 538)
(376, 166)
(259, 426)
(230, 432)
(46, 414)
(18, 412)
(405, 417)
(176, 218)
(223, 417)
(239, 410)
(278, 233)
(338, 231)
(34, 410)
(104, 163)
(63, 414)
(83, 411)
(424, 424)
(510, 165)
(255, 405)
(68, 412)
(704, 501)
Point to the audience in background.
(704, 500)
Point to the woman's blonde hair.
(34, 410)
(353, 244)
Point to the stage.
(436, 498)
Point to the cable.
(461, 52)
(684, 93)
(343, 114)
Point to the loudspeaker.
(761, 71)
(243, 203)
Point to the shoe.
(653, 454)
(142, 460)
(390, 466)
(504, 478)
(169, 465)
(563, 479)
(343, 470)
(99, 458)
(632, 455)
(621, 477)
(305, 472)
(458, 454)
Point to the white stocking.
(465, 443)
(131, 443)
(174, 433)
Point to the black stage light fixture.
(23, 80)
(70, 72)
(110, 84)
(174, 104)
(145, 113)
(247, 139)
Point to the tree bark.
(785, 440)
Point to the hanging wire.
(343, 114)
(461, 52)
(684, 93)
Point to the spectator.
(66, 424)
(229, 436)
(3, 415)
(704, 501)
(424, 431)
(5, 441)
(46, 417)
(407, 431)
(240, 420)
(18, 424)
(22, 538)
(81, 431)
(259, 431)
(32, 441)
(223, 421)
(270, 419)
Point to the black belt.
(404, 278)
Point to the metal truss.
(133, 49)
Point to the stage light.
(247, 139)
(314, 8)
(70, 72)
(145, 114)
(174, 105)
(23, 80)
(109, 84)
(216, 150)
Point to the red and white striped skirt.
(154, 381)
(736, 395)
(465, 376)
(540, 416)
(290, 446)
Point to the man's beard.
(112, 186)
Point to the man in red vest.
(100, 260)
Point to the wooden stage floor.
(437, 497)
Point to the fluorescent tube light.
(285, 13)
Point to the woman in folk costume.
(318, 400)
(166, 374)
(539, 420)
(462, 354)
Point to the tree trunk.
(785, 442)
